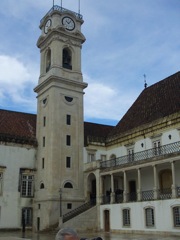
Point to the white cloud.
(15, 80)
(104, 102)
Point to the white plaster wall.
(147, 144)
(163, 216)
(13, 158)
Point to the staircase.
(83, 219)
(77, 211)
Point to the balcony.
(148, 195)
(140, 157)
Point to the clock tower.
(60, 124)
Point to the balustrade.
(143, 155)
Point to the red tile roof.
(96, 132)
(157, 101)
(17, 127)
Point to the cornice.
(76, 38)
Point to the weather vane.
(145, 83)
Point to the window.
(69, 206)
(44, 121)
(1, 183)
(68, 185)
(126, 217)
(42, 163)
(130, 154)
(68, 119)
(48, 60)
(42, 186)
(176, 216)
(68, 162)
(103, 157)
(27, 216)
(68, 99)
(68, 140)
(157, 147)
(149, 214)
(91, 157)
(67, 58)
(27, 183)
(44, 141)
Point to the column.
(139, 185)
(155, 182)
(125, 188)
(173, 187)
(112, 189)
(100, 197)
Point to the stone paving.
(104, 236)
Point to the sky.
(125, 40)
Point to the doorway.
(132, 191)
(106, 221)
(38, 224)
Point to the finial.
(79, 8)
(145, 84)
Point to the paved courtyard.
(105, 236)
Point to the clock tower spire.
(60, 122)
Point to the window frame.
(27, 185)
(68, 162)
(68, 140)
(68, 119)
(176, 216)
(149, 217)
(28, 214)
(1, 183)
(126, 217)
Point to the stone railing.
(143, 155)
(61, 9)
(148, 195)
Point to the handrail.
(61, 9)
(146, 195)
(78, 210)
(143, 155)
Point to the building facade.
(53, 165)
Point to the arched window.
(67, 58)
(48, 60)
(68, 185)
(42, 186)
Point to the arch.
(68, 185)
(165, 179)
(67, 58)
(42, 185)
(91, 187)
(48, 60)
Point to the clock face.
(47, 25)
(68, 23)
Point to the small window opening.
(67, 59)
(48, 60)
(68, 185)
